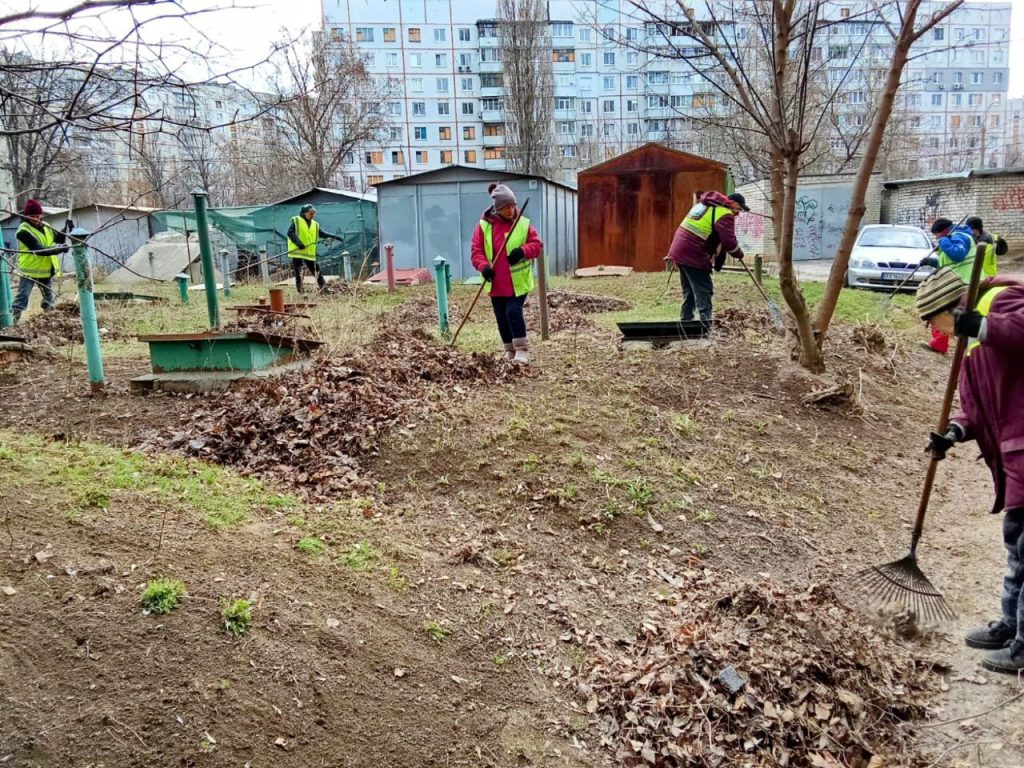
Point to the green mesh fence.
(254, 228)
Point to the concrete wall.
(998, 199)
(821, 207)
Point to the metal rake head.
(902, 583)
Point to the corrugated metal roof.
(329, 191)
(645, 148)
(416, 178)
(1014, 171)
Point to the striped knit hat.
(938, 293)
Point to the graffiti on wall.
(750, 226)
(820, 218)
(920, 215)
(1010, 199)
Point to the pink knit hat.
(33, 208)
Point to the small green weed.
(436, 631)
(237, 616)
(705, 516)
(568, 493)
(94, 498)
(162, 595)
(298, 521)
(684, 424)
(395, 581)
(504, 557)
(640, 493)
(501, 660)
(531, 463)
(359, 556)
(311, 545)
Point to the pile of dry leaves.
(742, 673)
(568, 310)
(62, 325)
(309, 429)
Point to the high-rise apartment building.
(443, 59)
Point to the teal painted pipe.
(441, 285)
(6, 316)
(87, 308)
(206, 253)
(182, 281)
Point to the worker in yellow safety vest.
(996, 245)
(303, 235)
(39, 250)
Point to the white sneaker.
(522, 347)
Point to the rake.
(888, 299)
(902, 582)
(773, 308)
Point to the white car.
(884, 255)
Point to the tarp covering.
(165, 256)
(252, 228)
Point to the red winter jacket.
(501, 286)
(688, 250)
(992, 394)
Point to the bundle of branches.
(310, 429)
(741, 673)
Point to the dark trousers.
(314, 269)
(697, 292)
(1013, 538)
(25, 286)
(508, 311)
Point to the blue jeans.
(697, 292)
(1013, 538)
(25, 286)
(508, 311)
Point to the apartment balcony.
(494, 141)
(492, 115)
(565, 114)
(495, 165)
(490, 42)
(492, 92)
(563, 66)
(487, 67)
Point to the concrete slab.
(813, 271)
(609, 271)
(209, 381)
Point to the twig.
(7, 523)
(130, 730)
(978, 714)
(961, 745)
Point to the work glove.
(737, 254)
(967, 324)
(719, 261)
(930, 261)
(939, 444)
(69, 225)
(1001, 247)
(515, 256)
(488, 273)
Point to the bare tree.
(766, 80)
(328, 105)
(527, 65)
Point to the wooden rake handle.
(947, 399)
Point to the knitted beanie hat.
(33, 208)
(501, 195)
(939, 292)
(941, 225)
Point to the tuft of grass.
(501, 660)
(705, 516)
(162, 595)
(684, 424)
(237, 616)
(358, 557)
(311, 545)
(395, 581)
(436, 631)
(94, 498)
(640, 493)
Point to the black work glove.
(1001, 247)
(930, 261)
(738, 254)
(69, 225)
(488, 273)
(939, 444)
(515, 256)
(719, 262)
(967, 324)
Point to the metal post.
(346, 265)
(225, 269)
(448, 277)
(441, 286)
(206, 254)
(152, 265)
(87, 308)
(389, 256)
(182, 281)
(758, 267)
(542, 294)
(6, 315)
(264, 267)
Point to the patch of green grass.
(705, 516)
(162, 595)
(683, 424)
(436, 631)
(94, 498)
(311, 545)
(358, 557)
(501, 660)
(568, 493)
(237, 616)
(504, 557)
(395, 581)
(297, 521)
(640, 493)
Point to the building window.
(414, 34)
(586, 129)
(441, 60)
(935, 121)
(939, 33)
(585, 36)
(374, 178)
(488, 30)
(997, 78)
(369, 59)
(587, 106)
(466, 83)
(422, 156)
(608, 82)
(632, 34)
(586, 59)
(844, 13)
(974, 99)
(608, 106)
(444, 108)
(440, 35)
(420, 132)
(632, 58)
(442, 85)
(396, 134)
(566, 128)
(632, 129)
(632, 82)
(958, 99)
(419, 109)
(913, 100)
(608, 129)
(391, 59)
(936, 99)
(978, 56)
(415, 59)
(566, 81)
(465, 34)
(469, 132)
(977, 121)
(632, 105)
(657, 78)
(569, 151)
(586, 83)
(394, 109)
(564, 102)
(954, 122)
(490, 104)
(561, 29)
(563, 55)
(397, 157)
(469, 156)
(446, 156)
(490, 80)
(993, 120)
(609, 58)
(494, 130)
(997, 56)
(703, 100)
(490, 54)
(389, 34)
(977, 78)
(958, 77)
(466, 60)
(374, 158)
(858, 97)
(467, 107)
(679, 102)
(364, 34)
(444, 133)
(494, 153)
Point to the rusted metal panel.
(630, 206)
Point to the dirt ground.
(443, 618)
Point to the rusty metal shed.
(631, 205)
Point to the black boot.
(990, 638)
(1008, 660)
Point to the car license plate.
(896, 277)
